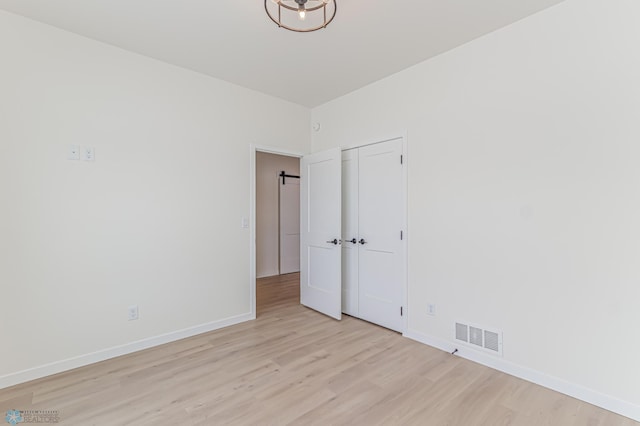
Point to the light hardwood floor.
(295, 366)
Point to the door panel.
(381, 279)
(289, 226)
(320, 277)
(320, 223)
(349, 232)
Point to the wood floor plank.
(294, 366)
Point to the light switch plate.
(88, 153)
(74, 152)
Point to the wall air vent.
(475, 336)
(462, 332)
(478, 337)
(492, 341)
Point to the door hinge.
(401, 159)
(401, 235)
(401, 314)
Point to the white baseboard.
(102, 355)
(610, 403)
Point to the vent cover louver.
(492, 341)
(462, 332)
(475, 336)
(479, 337)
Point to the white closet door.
(350, 232)
(320, 226)
(381, 257)
(289, 225)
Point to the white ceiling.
(234, 40)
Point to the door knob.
(334, 241)
(362, 241)
(353, 241)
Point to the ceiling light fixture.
(302, 16)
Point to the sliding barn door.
(320, 226)
(289, 225)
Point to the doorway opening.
(277, 228)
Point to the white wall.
(268, 167)
(154, 221)
(524, 211)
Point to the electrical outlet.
(431, 309)
(133, 312)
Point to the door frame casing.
(253, 150)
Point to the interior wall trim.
(116, 351)
(608, 402)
